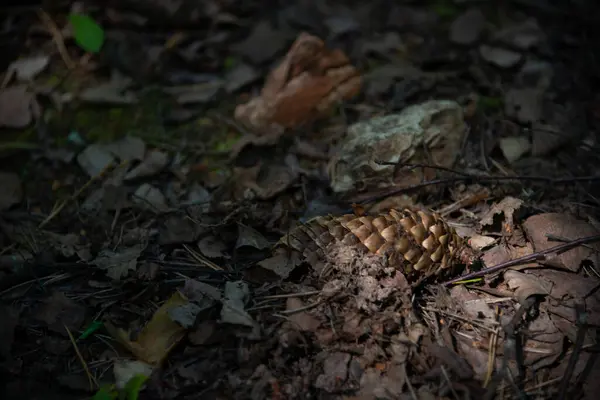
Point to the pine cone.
(419, 243)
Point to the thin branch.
(524, 259)
(465, 177)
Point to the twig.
(201, 259)
(477, 178)
(57, 38)
(524, 259)
(582, 324)
(91, 378)
(75, 195)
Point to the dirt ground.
(300, 200)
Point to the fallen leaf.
(514, 147)
(26, 69)
(201, 293)
(388, 45)
(150, 197)
(203, 333)
(305, 86)
(303, 320)
(178, 229)
(59, 311)
(525, 285)
(479, 242)
(129, 148)
(507, 207)
(212, 247)
(525, 105)
(154, 162)
(125, 370)
(262, 44)
(335, 372)
(564, 227)
(468, 27)
(566, 284)
(341, 24)
(185, 315)
(235, 297)
(500, 57)
(108, 93)
(239, 77)
(248, 236)
(472, 304)
(523, 36)
(157, 338)
(281, 263)
(18, 107)
(69, 245)
(118, 263)
(95, 159)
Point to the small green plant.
(87, 33)
(131, 391)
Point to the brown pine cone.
(419, 243)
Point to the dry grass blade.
(93, 383)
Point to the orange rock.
(307, 84)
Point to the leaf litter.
(161, 234)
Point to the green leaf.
(133, 386)
(94, 326)
(106, 392)
(87, 33)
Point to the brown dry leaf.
(18, 107)
(307, 84)
(479, 242)
(266, 180)
(212, 247)
(203, 333)
(301, 320)
(282, 263)
(526, 285)
(506, 206)
(473, 304)
(335, 372)
(565, 228)
(158, 337)
(59, 311)
(546, 339)
(566, 284)
(118, 263)
(248, 236)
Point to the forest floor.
(153, 154)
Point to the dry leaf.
(158, 337)
(307, 84)
(563, 228)
(18, 107)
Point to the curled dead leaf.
(307, 84)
